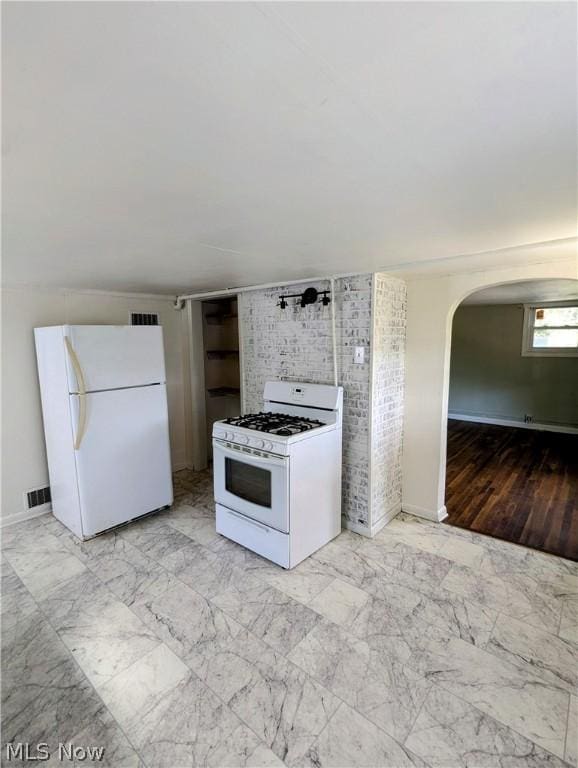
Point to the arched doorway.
(432, 300)
(512, 435)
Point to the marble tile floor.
(171, 646)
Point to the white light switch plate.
(359, 357)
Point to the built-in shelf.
(217, 354)
(218, 318)
(224, 392)
(221, 393)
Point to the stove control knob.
(243, 439)
(268, 445)
(259, 443)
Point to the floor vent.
(144, 318)
(37, 497)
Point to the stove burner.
(281, 424)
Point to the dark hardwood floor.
(515, 484)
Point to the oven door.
(254, 485)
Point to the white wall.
(23, 309)
(431, 302)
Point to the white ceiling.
(525, 292)
(172, 146)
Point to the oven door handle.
(277, 461)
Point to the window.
(551, 329)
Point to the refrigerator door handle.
(81, 421)
(81, 392)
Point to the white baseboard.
(513, 423)
(179, 461)
(178, 466)
(27, 514)
(364, 530)
(392, 512)
(427, 514)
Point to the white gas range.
(277, 474)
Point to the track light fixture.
(309, 296)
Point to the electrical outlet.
(359, 356)
(528, 418)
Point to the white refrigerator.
(104, 405)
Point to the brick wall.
(295, 344)
(389, 313)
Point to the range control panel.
(324, 396)
(243, 439)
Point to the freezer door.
(123, 459)
(113, 356)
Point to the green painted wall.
(489, 377)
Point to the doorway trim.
(194, 371)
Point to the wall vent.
(37, 497)
(144, 318)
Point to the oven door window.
(248, 482)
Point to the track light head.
(309, 296)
